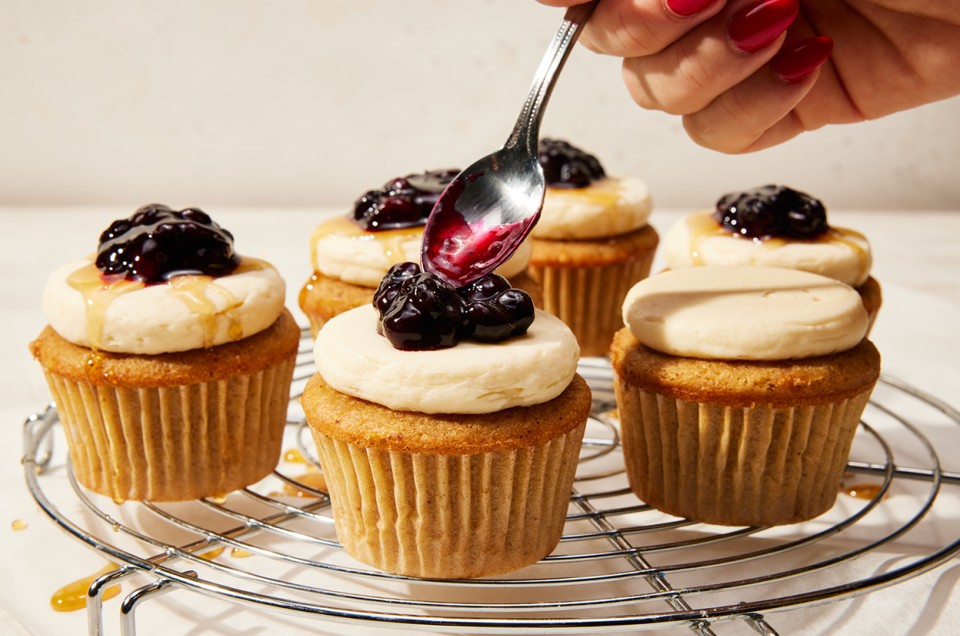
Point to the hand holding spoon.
(491, 206)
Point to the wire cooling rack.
(620, 565)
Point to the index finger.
(635, 28)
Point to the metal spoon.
(491, 206)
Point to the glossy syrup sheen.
(99, 291)
(703, 226)
(73, 596)
(390, 241)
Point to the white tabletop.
(916, 260)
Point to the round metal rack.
(620, 566)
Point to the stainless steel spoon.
(491, 206)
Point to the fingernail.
(753, 28)
(687, 8)
(797, 60)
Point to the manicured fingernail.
(687, 8)
(758, 25)
(796, 60)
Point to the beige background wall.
(311, 102)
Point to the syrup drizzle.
(73, 595)
(702, 226)
(604, 193)
(193, 290)
(98, 293)
(392, 242)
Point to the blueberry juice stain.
(460, 252)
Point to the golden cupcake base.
(737, 442)
(584, 282)
(173, 427)
(447, 496)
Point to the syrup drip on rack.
(73, 596)
(862, 491)
(312, 480)
(294, 456)
(210, 555)
(18, 524)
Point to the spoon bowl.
(484, 214)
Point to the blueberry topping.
(390, 285)
(424, 314)
(566, 166)
(420, 311)
(401, 202)
(509, 313)
(156, 243)
(772, 211)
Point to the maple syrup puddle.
(73, 596)
(312, 480)
(859, 490)
(294, 456)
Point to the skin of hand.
(687, 57)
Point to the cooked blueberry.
(485, 321)
(424, 314)
(485, 288)
(390, 285)
(519, 306)
(508, 313)
(772, 211)
(402, 202)
(157, 242)
(565, 165)
(418, 310)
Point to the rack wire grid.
(620, 565)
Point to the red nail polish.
(797, 60)
(753, 28)
(687, 8)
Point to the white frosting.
(342, 251)
(697, 239)
(608, 207)
(471, 377)
(743, 312)
(189, 312)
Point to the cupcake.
(774, 226)
(591, 243)
(739, 391)
(448, 424)
(350, 254)
(169, 358)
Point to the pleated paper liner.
(450, 516)
(730, 465)
(174, 443)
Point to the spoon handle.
(527, 129)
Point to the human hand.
(750, 74)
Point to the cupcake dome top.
(742, 312)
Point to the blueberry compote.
(566, 166)
(772, 211)
(157, 243)
(402, 202)
(419, 311)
